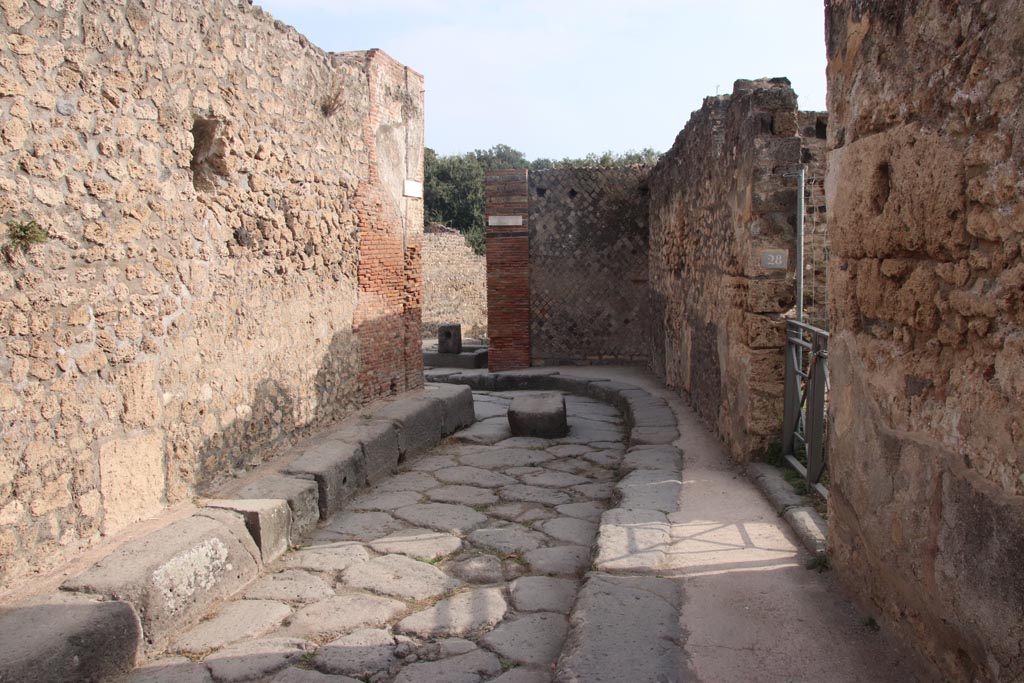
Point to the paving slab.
(597, 491)
(295, 674)
(173, 576)
(525, 442)
(591, 510)
(623, 629)
(460, 615)
(557, 480)
(521, 512)
(605, 457)
(563, 560)
(382, 502)
(468, 668)
(462, 495)
(255, 659)
(401, 577)
(479, 569)
(573, 466)
(473, 476)
(510, 539)
(361, 653)
(235, 621)
(345, 613)
(407, 481)
(500, 458)
(332, 558)
(290, 585)
(531, 639)
(489, 431)
(523, 675)
(364, 526)
(169, 670)
(420, 544)
(432, 463)
(534, 494)
(543, 594)
(569, 530)
(457, 519)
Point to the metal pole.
(800, 246)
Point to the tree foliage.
(453, 187)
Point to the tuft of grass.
(306, 661)
(23, 234)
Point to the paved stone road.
(462, 568)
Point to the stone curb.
(805, 521)
(632, 538)
(133, 601)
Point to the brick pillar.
(508, 269)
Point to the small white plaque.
(774, 259)
(414, 188)
(504, 221)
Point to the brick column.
(508, 269)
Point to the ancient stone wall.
(720, 196)
(926, 194)
(588, 265)
(813, 130)
(231, 258)
(454, 284)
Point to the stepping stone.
(364, 526)
(253, 660)
(297, 675)
(538, 415)
(406, 481)
(457, 519)
(591, 510)
(485, 432)
(509, 539)
(459, 615)
(506, 457)
(569, 450)
(473, 476)
(401, 577)
(521, 512)
(563, 560)
(433, 463)
(524, 442)
(362, 653)
(236, 621)
(385, 501)
(468, 668)
(557, 480)
(462, 495)
(521, 675)
(533, 639)
(569, 530)
(420, 544)
(543, 594)
(291, 585)
(329, 557)
(600, 491)
(345, 613)
(535, 494)
(480, 569)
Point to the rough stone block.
(652, 436)
(339, 470)
(449, 339)
(539, 415)
(774, 486)
(174, 575)
(610, 392)
(300, 494)
(623, 629)
(268, 521)
(457, 402)
(667, 458)
(379, 439)
(68, 638)
(420, 420)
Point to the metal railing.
(804, 423)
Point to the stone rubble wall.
(718, 197)
(926, 197)
(454, 285)
(588, 265)
(813, 129)
(229, 245)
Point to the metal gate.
(806, 390)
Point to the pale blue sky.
(557, 78)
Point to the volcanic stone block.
(540, 415)
(268, 521)
(302, 497)
(449, 339)
(339, 470)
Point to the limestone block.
(132, 480)
(301, 495)
(173, 576)
(339, 470)
(68, 638)
(268, 521)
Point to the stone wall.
(813, 130)
(454, 284)
(718, 197)
(925, 188)
(231, 258)
(588, 265)
(508, 269)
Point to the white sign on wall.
(414, 188)
(504, 221)
(774, 259)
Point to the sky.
(563, 78)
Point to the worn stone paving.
(461, 568)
